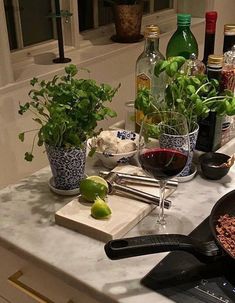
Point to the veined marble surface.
(27, 228)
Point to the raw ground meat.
(226, 232)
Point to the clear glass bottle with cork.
(145, 68)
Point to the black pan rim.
(213, 222)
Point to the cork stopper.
(215, 60)
(152, 31)
(229, 29)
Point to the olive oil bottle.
(145, 69)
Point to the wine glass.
(163, 151)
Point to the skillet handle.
(150, 244)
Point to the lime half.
(92, 187)
(100, 209)
(98, 179)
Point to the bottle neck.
(183, 27)
(229, 41)
(210, 27)
(151, 45)
(215, 72)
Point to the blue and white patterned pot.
(67, 166)
(171, 141)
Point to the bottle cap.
(215, 60)
(211, 18)
(183, 19)
(151, 31)
(211, 15)
(229, 29)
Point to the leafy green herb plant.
(66, 109)
(194, 96)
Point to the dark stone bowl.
(209, 165)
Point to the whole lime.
(90, 189)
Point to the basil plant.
(192, 95)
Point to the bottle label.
(226, 129)
(142, 80)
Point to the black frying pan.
(149, 244)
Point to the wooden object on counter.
(126, 213)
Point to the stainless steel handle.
(14, 280)
(140, 195)
(140, 179)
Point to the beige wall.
(226, 14)
(117, 67)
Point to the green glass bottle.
(183, 42)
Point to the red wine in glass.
(163, 151)
(164, 163)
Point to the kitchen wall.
(226, 14)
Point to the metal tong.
(113, 179)
(136, 179)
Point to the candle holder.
(58, 15)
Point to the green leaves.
(171, 66)
(21, 137)
(71, 70)
(192, 95)
(28, 156)
(144, 101)
(171, 69)
(23, 108)
(67, 109)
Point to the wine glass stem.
(161, 215)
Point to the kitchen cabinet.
(23, 282)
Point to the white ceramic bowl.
(111, 160)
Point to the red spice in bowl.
(226, 232)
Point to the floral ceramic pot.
(67, 166)
(172, 141)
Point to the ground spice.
(226, 232)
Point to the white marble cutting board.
(126, 213)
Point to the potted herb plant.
(127, 18)
(194, 96)
(66, 110)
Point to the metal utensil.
(145, 180)
(112, 179)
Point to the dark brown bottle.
(210, 128)
(229, 37)
(214, 68)
(209, 44)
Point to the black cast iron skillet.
(150, 244)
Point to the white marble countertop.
(25, 228)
